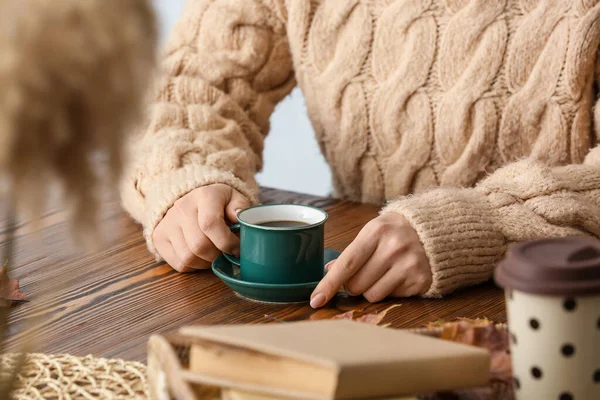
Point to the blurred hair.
(73, 75)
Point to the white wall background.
(292, 157)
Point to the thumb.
(238, 203)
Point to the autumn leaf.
(486, 335)
(469, 321)
(372, 319)
(9, 289)
(476, 321)
(375, 319)
(501, 367)
(483, 333)
(347, 315)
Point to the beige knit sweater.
(406, 96)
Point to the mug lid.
(557, 266)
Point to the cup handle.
(231, 258)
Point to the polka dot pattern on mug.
(534, 324)
(567, 350)
(536, 372)
(570, 304)
(549, 361)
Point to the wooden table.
(108, 303)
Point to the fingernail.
(328, 265)
(318, 300)
(239, 210)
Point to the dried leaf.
(488, 336)
(469, 321)
(372, 319)
(501, 368)
(483, 333)
(9, 289)
(477, 321)
(347, 315)
(375, 319)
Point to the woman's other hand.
(386, 259)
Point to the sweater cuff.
(162, 192)
(459, 235)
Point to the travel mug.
(552, 291)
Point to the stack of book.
(328, 360)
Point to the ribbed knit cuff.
(163, 191)
(458, 231)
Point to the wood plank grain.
(109, 302)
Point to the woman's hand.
(194, 231)
(385, 259)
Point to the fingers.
(185, 256)
(238, 203)
(415, 284)
(194, 231)
(381, 289)
(401, 280)
(165, 249)
(408, 289)
(351, 260)
(387, 258)
(370, 273)
(329, 265)
(212, 223)
(197, 241)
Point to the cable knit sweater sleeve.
(465, 231)
(226, 67)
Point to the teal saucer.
(265, 292)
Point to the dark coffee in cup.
(283, 224)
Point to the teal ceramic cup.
(280, 255)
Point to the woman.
(483, 110)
